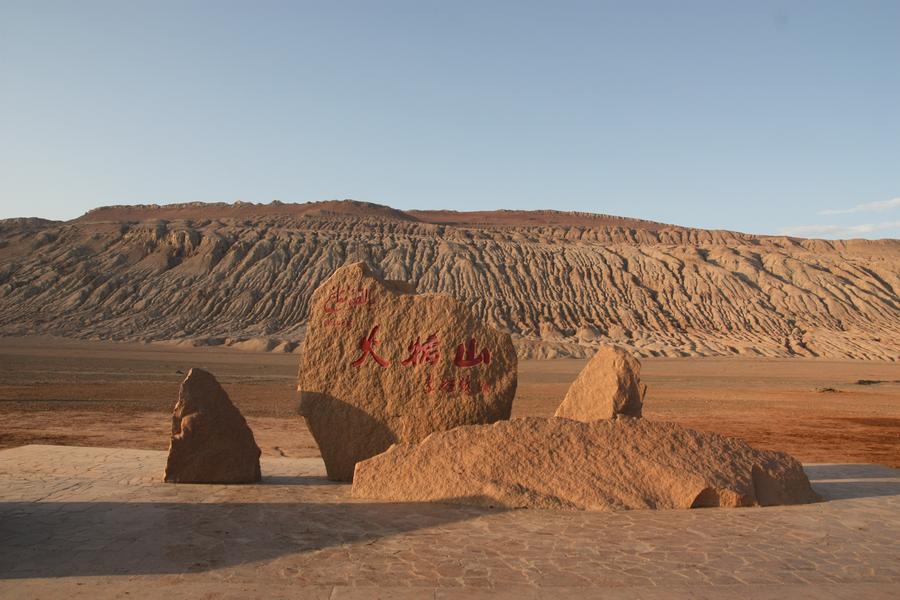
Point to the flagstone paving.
(98, 522)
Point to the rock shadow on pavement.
(62, 539)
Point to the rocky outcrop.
(608, 386)
(382, 365)
(617, 464)
(195, 272)
(211, 441)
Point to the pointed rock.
(211, 441)
(609, 385)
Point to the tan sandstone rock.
(616, 464)
(382, 365)
(211, 441)
(609, 385)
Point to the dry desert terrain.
(560, 283)
(56, 391)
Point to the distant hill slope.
(562, 283)
(354, 208)
(241, 210)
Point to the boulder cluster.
(409, 397)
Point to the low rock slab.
(609, 385)
(382, 365)
(211, 441)
(617, 464)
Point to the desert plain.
(120, 395)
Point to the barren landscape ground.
(55, 391)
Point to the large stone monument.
(382, 365)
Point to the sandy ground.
(88, 523)
(120, 395)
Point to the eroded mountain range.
(562, 283)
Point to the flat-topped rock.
(623, 463)
(609, 385)
(382, 365)
(211, 441)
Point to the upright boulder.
(382, 365)
(609, 385)
(211, 441)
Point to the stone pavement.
(98, 522)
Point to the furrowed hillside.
(561, 283)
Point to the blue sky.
(764, 117)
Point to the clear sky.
(758, 116)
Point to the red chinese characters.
(367, 345)
(421, 353)
(465, 355)
(429, 352)
(338, 322)
(461, 386)
(338, 300)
